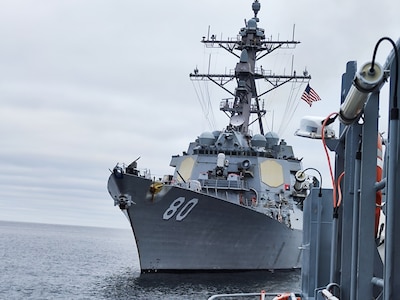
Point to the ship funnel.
(366, 81)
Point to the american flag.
(309, 95)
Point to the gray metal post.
(316, 241)
(366, 241)
(392, 244)
(354, 242)
(334, 249)
(349, 144)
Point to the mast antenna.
(256, 8)
(294, 27)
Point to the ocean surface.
(40, 261)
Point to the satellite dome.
(258, 140)
(272, 138)
(252, 24)
(311, 127)
(206, 139)
(216, 133)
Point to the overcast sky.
(85, 84)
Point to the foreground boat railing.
(262, 296)
(324, 294)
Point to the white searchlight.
(365, 81)
(300, 178)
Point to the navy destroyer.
(231, 202)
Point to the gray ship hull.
(178, 229)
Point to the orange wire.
(328, 158)
(339, 189)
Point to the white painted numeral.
(186, 209)
(183, 212)
(171, 210)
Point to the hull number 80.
(179, 208)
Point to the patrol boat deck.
(349, 246)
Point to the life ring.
(284, 296)
(379, 167)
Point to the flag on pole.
(309, 95)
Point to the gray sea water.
(40, 261)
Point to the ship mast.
(253, 46)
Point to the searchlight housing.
(365, 81)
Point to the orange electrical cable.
(339, 189)
(328, 158)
